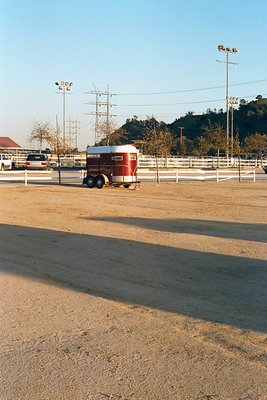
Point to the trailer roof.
(127, 148)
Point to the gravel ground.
(153, 294)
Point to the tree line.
(195, 135)
(199, 135)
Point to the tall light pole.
(64, 86)
(181, 138)
(232, 101)
(181, 134)
(227, 50)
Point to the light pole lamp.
(227, 50)
(64, 86)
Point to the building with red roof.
(8, 144)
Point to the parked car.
(6, 162)
(36, 161)
(265, 168)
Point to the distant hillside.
(249, 118)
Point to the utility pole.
(232, 102)
(181, 134)
(98, 113)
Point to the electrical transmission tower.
(73, 131)
(103, 125)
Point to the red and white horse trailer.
(111, 165)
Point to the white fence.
(195, 175)
(198, 162)
(145, 161)
(161, 175)
(68, 161)
(25, 175)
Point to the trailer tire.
(90, 182)
(99, 182)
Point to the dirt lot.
(155, 294)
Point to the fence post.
(217, 175)
(254, 176)
(166, 162)
(26, 177)
(176, 176)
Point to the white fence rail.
(161, 175)
(195, 175)
(25, 175)
(146, 161)
(200, 162)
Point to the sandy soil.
(152, 294)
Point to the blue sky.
(135, 47)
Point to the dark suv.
(36, 161)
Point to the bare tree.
(59, 147)
(41, 133)
(107, 128)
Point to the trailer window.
(117, 158)
(93, 155)
(132, 157)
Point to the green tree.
(255, 144)
(158, 138)
(200, 146)
(158, 141)
(215, 137)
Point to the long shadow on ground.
(212, 287)
(229, 230)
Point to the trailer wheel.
(99, 182)
(126, 185)
(90, 182)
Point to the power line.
(168, 104)
(183, 103)
(195, 112)
(189, 90)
